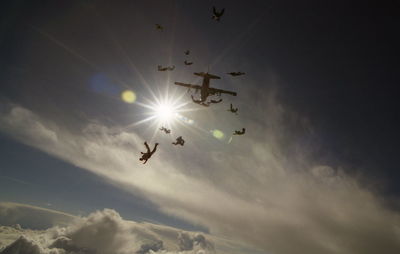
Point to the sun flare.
(165, 112)
(166, 109)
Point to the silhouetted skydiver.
(233, 110)
(179, 141)
(196, 101)
(215, 101)
(236, 73)
(200, 102)
(187, 52)
(217, 15)
(148, 154)
(168, 68)
(159, 27)
(160, 68)
(167, 131)
(240, 132)
(188, 63)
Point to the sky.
(315, 172)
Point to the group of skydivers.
(179, 140)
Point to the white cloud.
(105, 232)
(253, 191)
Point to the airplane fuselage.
(204, 89)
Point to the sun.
(165, 109)
(165, 112)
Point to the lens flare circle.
(218, 134)
(184, 119)
(128, 96)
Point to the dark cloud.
(66, 244)
(147, 247)
(22, 245)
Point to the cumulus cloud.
(254, 192)
(104, 232)
(147, 247)
(22, 245)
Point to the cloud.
(147, 247)
(104, 232)
(22, 245)
(263, 190)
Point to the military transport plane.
(205, 88)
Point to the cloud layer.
(253, 191)
(105, 232)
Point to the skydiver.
(215, 101)
(167, 131)
(240, 132)
(168, 68)
(196, 101)
(217, 15)
(233, 110)
(148, 154)
(160, 68)
(234, 74)
(200, 102)
(187, 52)
(188, 63)
(159, 27)
(179, 141)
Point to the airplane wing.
(215, 91)
(188, 85)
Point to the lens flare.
(184, 119)
(128, 96)
(218, 134)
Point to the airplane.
(236, 73)
(217, 15)
(233, 110)
(187, 52)
(205, 88)
(159, 27)
(188, 63)
(240, 132)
